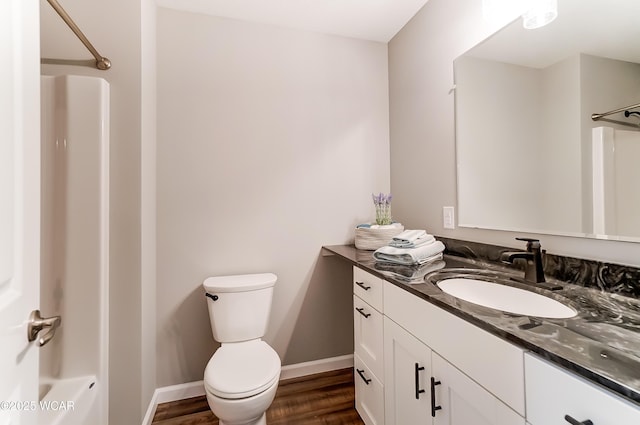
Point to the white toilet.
(242, 376)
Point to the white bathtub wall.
(270, 142)
(115, 28)
(74, 257)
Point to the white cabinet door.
(458, 400)
(552, 394)
(367, 332)
(407, 372)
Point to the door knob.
(38, 323)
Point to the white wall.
(498, 148)
(518, 145)
(270, 143)
(422, 129)
(560, 177)
(148, 202)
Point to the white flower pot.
(372, 238)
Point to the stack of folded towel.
(409, 274)
(410, 256)
(411, 247)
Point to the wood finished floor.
(325, 398)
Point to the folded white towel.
(403, 243)
(410, 274)
(410, 236)
(419, 255)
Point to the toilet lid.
(240, 370)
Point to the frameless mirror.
(529, 156)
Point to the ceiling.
(376, 20)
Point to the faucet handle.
(531, 243)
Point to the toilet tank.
(239, 305)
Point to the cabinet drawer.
(368, 332)
(553, 393)
(368, 287)
(490, 361)
(369, 394)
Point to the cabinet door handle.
(361, 373)
(418, 368)
(434, 408)
(363, 286)
(361, 311)
(576, 422)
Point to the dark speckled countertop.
(601, 343)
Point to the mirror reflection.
(529, 156)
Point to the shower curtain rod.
(596, 117)
(102, 63)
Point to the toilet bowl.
(241, 378)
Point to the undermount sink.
(505, 298)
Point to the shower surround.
(75, 248)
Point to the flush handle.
(576, 422)
(38, 323)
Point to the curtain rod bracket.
(102, 63)
(596, 117)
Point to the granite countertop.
(601, 343)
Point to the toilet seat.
(241, 370)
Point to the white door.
(407, 377)
(19, 207)
(461, 401)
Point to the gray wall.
(270, 143)
(423, 163)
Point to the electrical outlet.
(448, 218)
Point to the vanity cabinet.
(421, 387)
(368, 346)
(417, 363)
(492, 363)
(557, 397)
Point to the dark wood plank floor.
(326, 398)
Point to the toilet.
(242, 376)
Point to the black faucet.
(533, 271)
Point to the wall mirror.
(529, 156)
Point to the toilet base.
(262, 420)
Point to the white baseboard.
(172, 393)
(195, 389)
(316, 366)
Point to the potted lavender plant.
(371, 236)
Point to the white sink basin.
(506, 298)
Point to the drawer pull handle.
(363, 286)
(434, 408)
(361, 373)
(361, 311)
(576, 422)
(418, 368)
